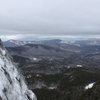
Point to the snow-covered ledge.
(12, 84)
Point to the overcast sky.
(28, 19)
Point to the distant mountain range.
(55, 52)
(14, 43)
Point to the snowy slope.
(12, 84)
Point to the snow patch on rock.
(89, 86)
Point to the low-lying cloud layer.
(21, 19)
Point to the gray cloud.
(49, 18)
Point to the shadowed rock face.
(12, 84)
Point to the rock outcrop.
(12, 83)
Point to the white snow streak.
(89, 85)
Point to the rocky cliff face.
(12, 84)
